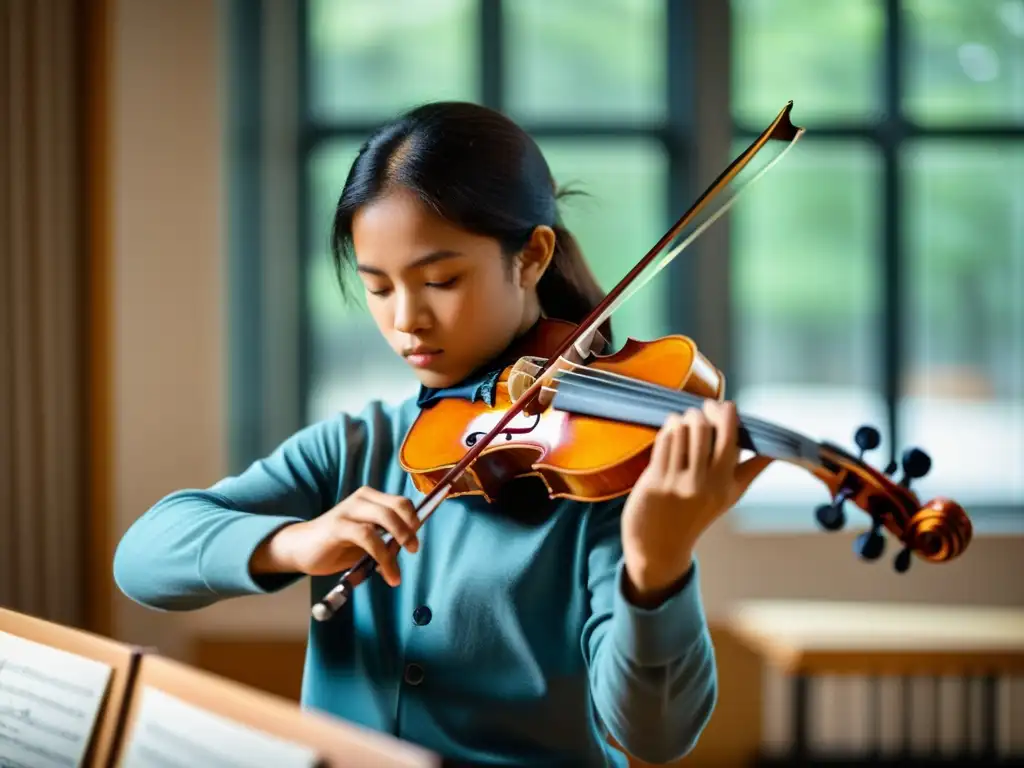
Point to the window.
(588, 78)
(882, 281)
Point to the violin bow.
(771, 146)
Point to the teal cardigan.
(509, 640)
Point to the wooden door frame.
(96, 73)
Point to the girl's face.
(445, 299)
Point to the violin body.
(578, 456)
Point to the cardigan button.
(413, 674)
(422, 615)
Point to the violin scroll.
(937, 531)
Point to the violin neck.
(600, 394)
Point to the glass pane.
(805, 299)
(963, 387)
(965, 60)
(350, 363)
(824, 55)
(586, 59)
(618, 219)
(370, 59)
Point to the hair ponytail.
(568, 290)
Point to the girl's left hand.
(694, 476)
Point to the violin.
(585, 422)
(594, 439)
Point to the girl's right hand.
(339, 538)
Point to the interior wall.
(169, 354)
(166, 268)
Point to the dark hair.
(479, 170)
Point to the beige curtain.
(42, 318)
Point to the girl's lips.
(422, 359)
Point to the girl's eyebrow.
(430, 258)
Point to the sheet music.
(171, 733)
(49, 700)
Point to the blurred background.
(168, 312)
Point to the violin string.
(673, 399)
(677, 397)
(792, 444)
(577, 399)
(599, 396)
(800, 445)
(603, 394)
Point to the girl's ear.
(536, 256)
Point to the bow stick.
(689, 226)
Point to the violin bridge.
(524, 373)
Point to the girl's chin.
(435, 379)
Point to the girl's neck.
(531, 316)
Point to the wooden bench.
(981, 649)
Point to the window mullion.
(492, 54)
(891, 344)
(679, 98)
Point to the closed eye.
(444, 284)
(381, 292)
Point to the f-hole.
(508, 432)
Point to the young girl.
(522, 632)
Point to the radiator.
(922, 719)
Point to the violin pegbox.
(831, 516)
(937, 531)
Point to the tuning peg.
(916, 463)
(867, 439)
(891, 468)
(902, 561)
(831, 517)
(870, 544)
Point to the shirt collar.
(479, 386)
